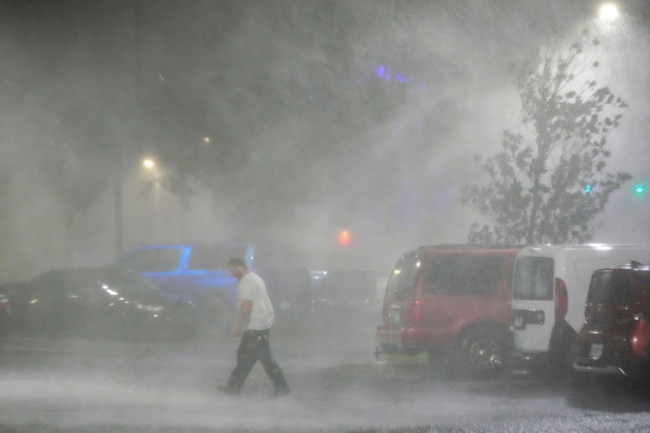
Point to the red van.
(453, 300)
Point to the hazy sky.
(321, 115)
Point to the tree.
(76, 166)
(548, 186)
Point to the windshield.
(610, 288)
(214, 257)
(534, 278)
(132, 287)
(403, 277)
(151, 260)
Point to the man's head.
(237, 267)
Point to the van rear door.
(533, 303)
(399, 291)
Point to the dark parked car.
(615, 338)
(95, 303)
(453, 300)
(345, 298)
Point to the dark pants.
(254, 346)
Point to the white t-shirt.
(252, 287)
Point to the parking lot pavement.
(108, 388)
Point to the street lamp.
(608, 12)
(149, 164)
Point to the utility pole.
(120, 148)
(117, 196)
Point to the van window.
(403, 277)
(534, 279)
(152, 260)
(463, 274)
(644, 277)
(610, 288)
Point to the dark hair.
(236, 261)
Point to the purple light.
(386, 73)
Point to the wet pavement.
(337, 385)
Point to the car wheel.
(215, 317)
(483, 353)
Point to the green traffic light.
(588, 188)
(639, 189)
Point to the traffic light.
(587, 188)
(639, 189)
(344, 238)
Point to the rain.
(281, 123)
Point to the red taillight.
(561, 300)
(641, 338)
(415, 310)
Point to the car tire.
(483, 353)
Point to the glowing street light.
(149, 164)
(344, 238)
(608, 12)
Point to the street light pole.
(117, 197)
(150, 165)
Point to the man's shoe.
(228, 390)
(280, 392)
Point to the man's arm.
(242, 316)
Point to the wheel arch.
(486, 325)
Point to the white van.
(550, 287)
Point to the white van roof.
(553, 250)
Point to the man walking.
(253, 323)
